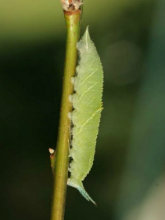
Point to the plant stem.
(72, 19)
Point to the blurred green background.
(127, 180)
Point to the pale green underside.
(87, 104)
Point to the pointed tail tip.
(86, 195)
(79, 186)
(90, 199)
(94, 203)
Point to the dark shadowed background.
(128, 177)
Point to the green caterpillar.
(87, 105)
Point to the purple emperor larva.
(87, 105)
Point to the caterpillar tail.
(79, 186)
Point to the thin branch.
(72, 19)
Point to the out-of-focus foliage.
(127, 179)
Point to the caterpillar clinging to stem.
(85, 117)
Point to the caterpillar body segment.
(85, 117)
